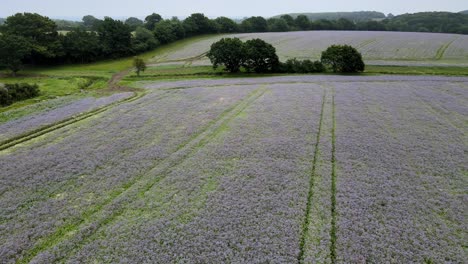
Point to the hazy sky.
(214, 8)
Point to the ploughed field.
(379, 48)
(310, 169)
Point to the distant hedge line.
(15, 92)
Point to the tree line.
(34, 39)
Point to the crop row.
(321, 169)
(240, 198)
(51, 182)
(401, 189)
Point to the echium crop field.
(300, 169)
(379, 48)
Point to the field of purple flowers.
(306, 169)
(381, 48)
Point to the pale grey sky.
(214, 8)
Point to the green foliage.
(168, 31)
(13, 49)
(144, 40)
(40, 31)
(152, 20)
(133, 22)
(254, 24)
(81, 46)
(371, 26)
(302, 22)
(90, 22)
(197, 24)
(260, 56)
(66, 24)
(139, 64)
(441, 22)
(343, 58)
(226, 25)
(304, 66)
(353, 16)
(229, 52)
(11, 93)
(289, 20)
(277, 25)
(115, 38)
(345, 24)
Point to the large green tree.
(133, 22)
(168, 31)
(260, 56)
(254, 24)
(81, 46)
(229, 52)
(40, 31)
(226, 25)
(278, 25)
(343, 58)
(198, 23)
(13, 49)
(302, 22)
(152, 20)
(290, 20)
(90, 22)
(144, 40)
(115, 38)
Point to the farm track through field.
(333, 186)
(305, 225)
(112, 85)
(68, 121)
(188, 61)
(61, 186)
(75, 233)
(166, 170)
(441, 51)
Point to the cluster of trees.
(357, 16)
(254, 55)
(437, 22)
(14, 92)
(34, 39)
(258, 56)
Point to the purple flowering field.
(379, 48)
(300, 169)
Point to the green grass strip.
(306, 223)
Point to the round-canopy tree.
(260, 56)
(343, 58)
(229, 52)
